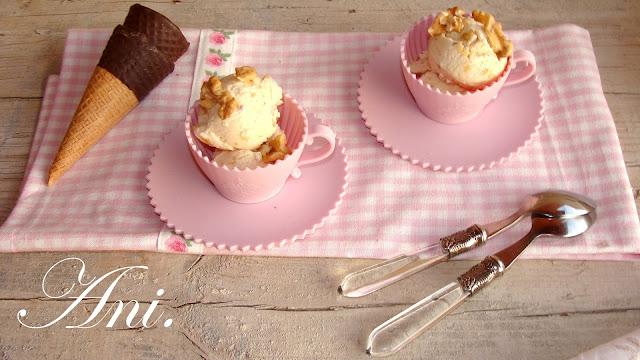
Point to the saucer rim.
(231, 248)
(425, 164)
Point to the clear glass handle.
(396, 332)
(377, 276)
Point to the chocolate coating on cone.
(105, 101)
(160, 31)
(133, 59)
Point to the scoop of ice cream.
(428, 76)
(239, 111)
(274, 149)
(422, 68)
(421, 65)
(241, 159)
(469, 51)
(435, 81)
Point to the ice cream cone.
(132, 65)
(137, 62)
(163, 33)
(105, 102)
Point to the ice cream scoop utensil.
(548, 204)
(395, 333)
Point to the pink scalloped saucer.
(504, 127)
(186, 200)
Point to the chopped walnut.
(447, 21)
(483, 17)
(456, 11)
(246, 74)
(228, 107)
(469, 36)
(215, 85)
(279, 143)
(205, 93)
(498, 41)
(264, 149)
(206, 104)
(275, 149)
(212, 93)
(273, 156)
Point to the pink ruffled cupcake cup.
(264, 182)
(457, 107)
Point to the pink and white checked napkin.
(390, 207)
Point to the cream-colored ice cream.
(428, 76)
(239, 111)
(435, 81)
(466, 51)
(274, 149)
(241, 159)
(238, 116)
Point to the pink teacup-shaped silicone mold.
(262, 183)
(454, 108)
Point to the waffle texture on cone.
(160, 31)
(105, 101)
(138, 56)
(133, 59)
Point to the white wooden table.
(277, 308)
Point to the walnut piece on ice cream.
(211, 93)
(468, 51)
(453, 20)
(246, 74)
(238, 111)
(447, 21)
(502, 46)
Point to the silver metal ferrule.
(481, 274)
(463, 241)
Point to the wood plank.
(19, 117)
(246, 307)
(20, 72)
(627, 119)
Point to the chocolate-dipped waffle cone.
(130, 67)
(163, 33)
(133, 59)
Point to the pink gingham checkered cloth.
(390, 207)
